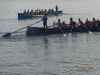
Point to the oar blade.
(7, 35)
(64, 35)
(70, 33)
(90, 32)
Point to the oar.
(87, 29)
(71, 30)
(8, 34)
(62, 32)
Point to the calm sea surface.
(76, 54)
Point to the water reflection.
(47, 54)
(46, 43)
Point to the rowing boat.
(25, 16)
(42, 31)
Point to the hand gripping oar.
(87, 29)
(8, 34)
(62, 32)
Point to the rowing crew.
(40, 11)
(80, 24)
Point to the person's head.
(58, 20)
(79, 19)
(63, 22)
(71, 19)
(93, 19)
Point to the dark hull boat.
(42, 31)
(25, 16)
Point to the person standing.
(44, 19)
(56, 8)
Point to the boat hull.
(42, 31)
(24, 16)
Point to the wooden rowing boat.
(42, 31)
(25, 16)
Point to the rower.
(49, 11)
(87, 22)
(98, 23)
(64, 25)
(80, 23)
(94, 22)
(59, 24)
(31, 13)
(37, 12)
(28, 12)
(45, 11)
(24, 12)
(40, 11)
(72, 23)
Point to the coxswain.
(56, 8)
